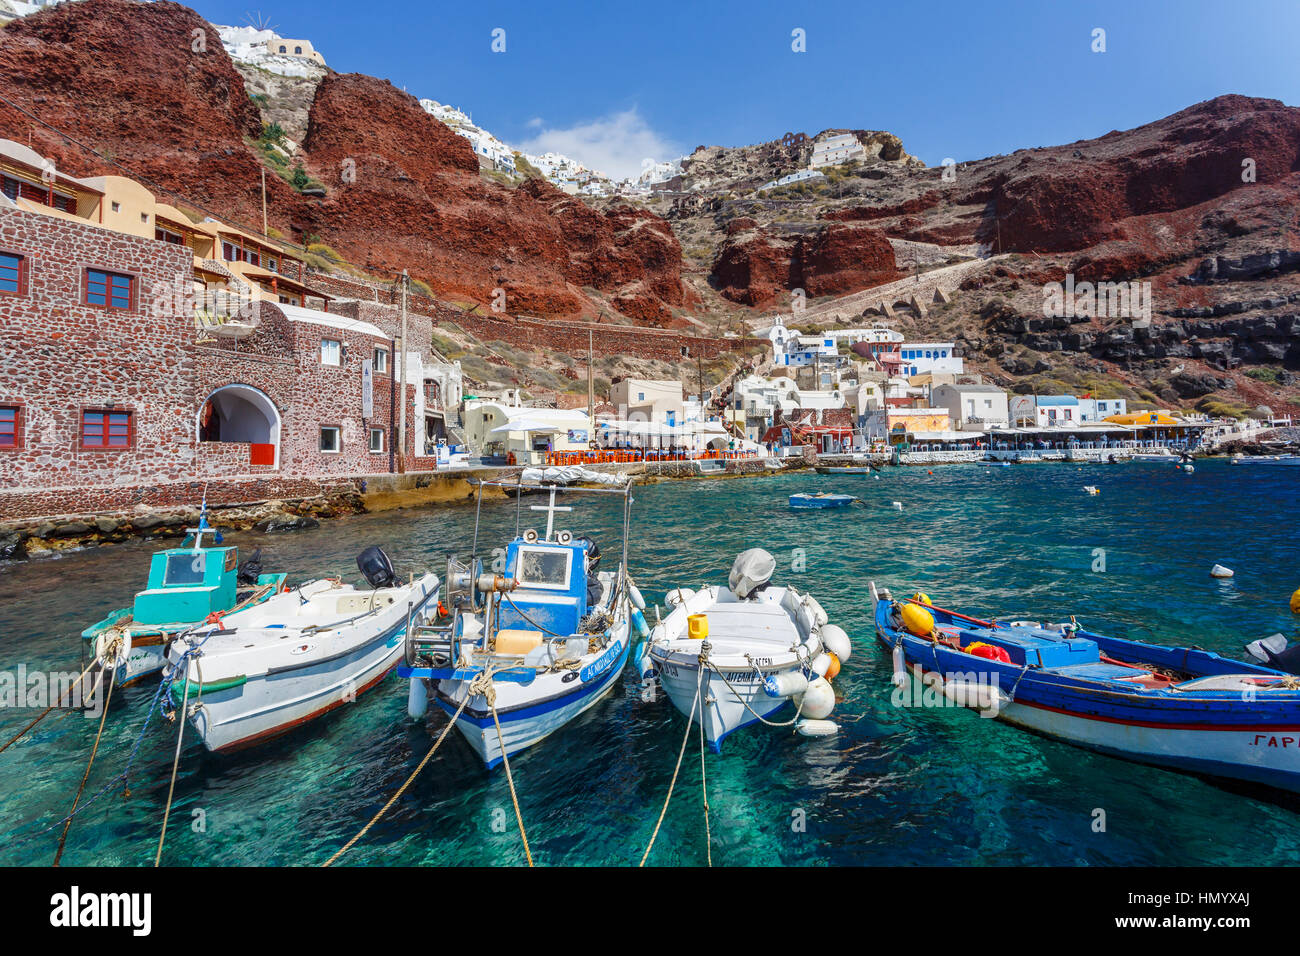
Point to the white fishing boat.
(729, 657)
(530, 648)
(262, 671)
(1288, 459)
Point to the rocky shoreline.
(43, 538)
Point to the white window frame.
(338, 439)
(380, 361)
(383, 440)
(537, 549)
(337, 351)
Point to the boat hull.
(531, 717)
(725, 709)
(1218, 735)
(240, 712)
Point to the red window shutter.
(260, 453)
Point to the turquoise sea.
(896, 786)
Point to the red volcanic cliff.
(150, 86)
(754, 267)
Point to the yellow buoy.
(697, 626)
(917, 620)
(922, 597)
(834, 668)
(1295, 602)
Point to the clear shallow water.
(896, 786)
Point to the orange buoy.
(834, 668)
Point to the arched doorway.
(244, 415)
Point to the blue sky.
(613, 83)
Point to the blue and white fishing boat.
(529, 648)
(821, 499)
(186, 586)
(1177, 707)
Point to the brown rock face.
(754, 267)
(124, 78)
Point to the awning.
(527, 425)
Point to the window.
(166, 235)
(185, 569)
(110, 290)
(230, 252)
(107, 429)
(284, 49)
(11, 426)
(272, 264)
(13, 273)
(331, 352)
(331, 438)
(544, 568)
(381, 360)
(117, 207)
(297, 49)
(376, 441)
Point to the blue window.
(108, 289)
(11, 272)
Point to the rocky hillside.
(126, 78)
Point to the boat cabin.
(552, 587)
(187, 584)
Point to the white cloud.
(616, 145)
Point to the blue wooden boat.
(1176, 707)
(187, 586)
(820, 500)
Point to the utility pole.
(401, 427)
(264, 229)
(591, 385)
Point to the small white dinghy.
(267, 669)
(729, 657)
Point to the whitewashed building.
(833, 150)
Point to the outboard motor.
(1274, 652)
(751, 573)
(249, 568)
(376, 566)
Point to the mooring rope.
(470, 693)
(115, 647)
(176, 762)
(685, 738)
(491, 697)
(704, 780)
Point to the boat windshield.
(544, 568)
(185, 569)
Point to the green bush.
(1270, 375)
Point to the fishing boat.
(1288, 459)
(531, 647)
(820, 499)
(994, 463)
(186, 586)
(731, 656)
(261, 671)
(1177, 707)
(844, 469)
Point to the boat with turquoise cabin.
(186, 587)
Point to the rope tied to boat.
(699, 683)
(114, 648)
(770, 723)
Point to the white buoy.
(898, 506)
(817, 728)
(678, 596)
(1219, 571)
(900, 665)
(785, 684)
(837, 642)
(1188, 468)
(821, 664)
(634, 593)
(417, 700)
(818, 700)
(818, 612)
(877, 477)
